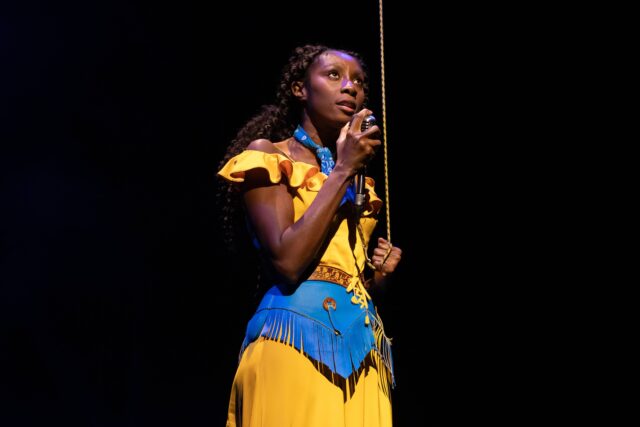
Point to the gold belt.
(333, 275)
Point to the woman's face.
(334, 89)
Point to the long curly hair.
(274, 122)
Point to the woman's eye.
(358, 81)
(334, 74)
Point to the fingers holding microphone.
(358, 144)
(371, 132)
(364, 125)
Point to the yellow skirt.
(278, 386)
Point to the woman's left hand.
(386, 257)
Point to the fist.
(386, 257)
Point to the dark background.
(120, 305)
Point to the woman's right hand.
(354, 147)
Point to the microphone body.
(358, 180)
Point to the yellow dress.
(317, 356)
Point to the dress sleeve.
(298, 174)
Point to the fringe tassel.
(383, 344)
(344, 355)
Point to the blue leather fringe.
(338, 339)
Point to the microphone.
(358, 180)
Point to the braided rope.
(384, 126)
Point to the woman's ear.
(298, 90)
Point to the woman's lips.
(347, 107)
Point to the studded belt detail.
(333, 275)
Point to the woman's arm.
(292, 246)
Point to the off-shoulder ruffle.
(299, 174)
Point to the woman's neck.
(321, 136)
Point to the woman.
(315, 352)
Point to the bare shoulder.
(263, 145)
(259, 178)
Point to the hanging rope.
(384, 145)
(384, 125)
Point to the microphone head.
(368, 122)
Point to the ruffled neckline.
(298, 174)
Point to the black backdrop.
(120, 305)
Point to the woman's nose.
(348, 87)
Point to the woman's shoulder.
(262, 155)
(263, 145)
(269, 147)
